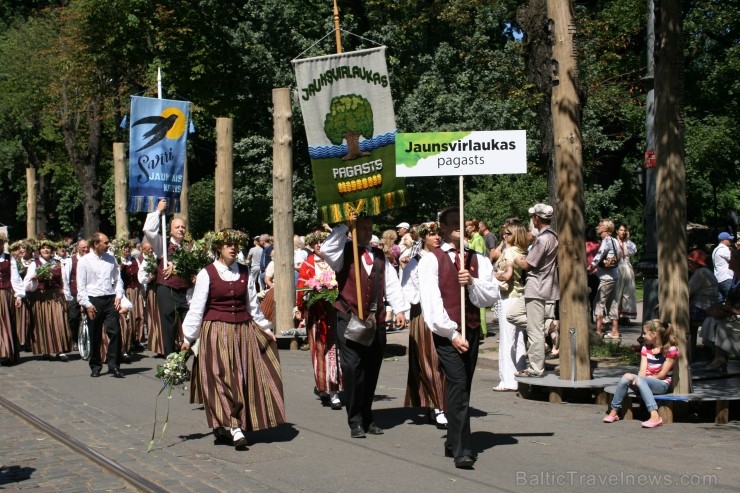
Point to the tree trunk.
(353, 146)
(571, 222)
(671, 184)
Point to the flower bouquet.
(190, 258)
(322, 287)
(44, 272)
(172, 373)
(151, 264)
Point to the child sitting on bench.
(658, 357)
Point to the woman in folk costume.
(320, 318)
(12, 293)
(132, 326)
(151, 311)
(425, 385)
(20, 251)
(626, 293)
(44, 284)
(238, 357)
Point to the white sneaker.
(238, 437)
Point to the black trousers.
(360, 370)
(171, 302)
(458, 370)
(75, 316)
(106, 316)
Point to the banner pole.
(462, 257)
(164, 241)
(355, 253)
(337, 32)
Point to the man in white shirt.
(441, 274)
(360, 363)
(721, 260)
(99, 292)
(69, 273)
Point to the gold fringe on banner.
(373, 206)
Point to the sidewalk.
(524, 445)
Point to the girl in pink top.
(654, 378)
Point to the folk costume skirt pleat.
(50, 332)
(242, 385)
(8, 343)
(321, 335)
(425, 386)
(23, 323)
(134, 332)
(154, 326)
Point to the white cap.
(403, 225)
(374, 239)
(542, 210)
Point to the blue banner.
(159, 132)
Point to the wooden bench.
(721, 391)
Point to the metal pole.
(649, 262)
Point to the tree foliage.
(68, 68)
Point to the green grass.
(616, 350)
(639, 288)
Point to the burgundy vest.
(56, 277)
(175, 282)
(449, 287)
(347, 287)
(73, 276)
(227, 300)
(130, 275)
(5, 271)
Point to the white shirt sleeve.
(29, 282)
(484, 291)
(333, 247)
(410, 282)
(435, 315)
(151, 228)
(66, 273)
(394, 291)
(19, 289)
(82, 297)
(194, 317)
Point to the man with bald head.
(171, 288)
(69, 272)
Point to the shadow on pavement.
(15, 474)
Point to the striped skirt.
(8, 347)
(425, 386)
(321, 336)
(242, 385)
(50, 332)
(154, 343)
(23, 323)
(134, 330)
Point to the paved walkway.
(524, 445)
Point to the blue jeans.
(646, 386)
(724, 289)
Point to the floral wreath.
(316, 237)
(226, 236)
(53, 245)
(14, 247)
(425, 229)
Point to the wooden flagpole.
(461, 252)
(356, 256)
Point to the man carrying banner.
(440, 276)
(360, 363)
(171, 288)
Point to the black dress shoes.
(464, 462)
(357, 432)
(116, 373)
(126, 358)
(95, 373)
(373, 429)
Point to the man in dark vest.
(69, 271)
(441, 275)
(360, 363)
(171, 289)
